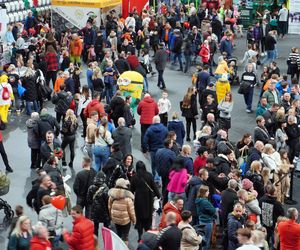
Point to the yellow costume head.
(131, 83)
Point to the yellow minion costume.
(222, 87)
(131, 83)
(5, 103)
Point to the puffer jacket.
(30, 84)
(62, 101)
(97, 197)
(121, 206)
(154, 137)
(33, 139)
(82, 236)
(169, 207)
(189, 240)
(222, 164)
(94, 105)
(39, 244)
(147, 108)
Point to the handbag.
(242, 159)
(21, 90)
(244, 88)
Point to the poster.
(76, 16)
(4, 20)
(294, 17)
(131, 5)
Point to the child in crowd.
(164, 107)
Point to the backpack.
(4, 183)
(5, 93)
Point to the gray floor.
(177, 83)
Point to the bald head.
(232, 183)
(121, 122)
(155, 119)
(259, 146)
(170, 218)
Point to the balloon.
(59, 202)
(186, 25)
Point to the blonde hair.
(255, 166)
(70, 114)
(265, 173)
(29, 72)
(97, 73)
(186, 149)
(267, 148)
(18, 231)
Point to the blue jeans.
(178, 55)
(208, 232)
(248, 98)
(101, 155)
(270, 57)
(108, 94)
(145, 84)
(29, 107)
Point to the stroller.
(233, 78)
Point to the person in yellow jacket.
(222, 87)
(222, 68)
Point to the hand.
(222, 175)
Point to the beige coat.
(121, 206)
(90, 131)
(189, 240)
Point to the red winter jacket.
(39, 244)
(147, 109)
(94, 105)
(82, 236)
(204, 53)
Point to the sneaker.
(249, 111)
(9, 169)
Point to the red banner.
(131, 5)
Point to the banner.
(87, 3)
(112, 241)
(77, 16)
(294, 17)
(131, 5)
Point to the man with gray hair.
(154, 140)
(289, 231)
(40, 237)
(123, 135)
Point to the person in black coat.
(160, 60)
(271, 210)
(293, 132)
(62, 101)
(121, 64)
(116, 107)
(189, 110)
(177, 126)
(99, 45)
(83, 180)
(48, 146)
(144, 189)
(97, 198)
(51, 169)
(31, 94)
(176, 48)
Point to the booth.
(74, 14)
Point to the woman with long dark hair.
(84, 100)
(189, 110)
(144, 189)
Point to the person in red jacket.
(176, 206)
(82, 236)
(94, 105)
(40, 240)
(289, 231)
(204, 52)
(200, 161)
(147, 109)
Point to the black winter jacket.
(30, 84)
(62, 101)
(83, 180)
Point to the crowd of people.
(230, 196)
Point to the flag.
(112, 241)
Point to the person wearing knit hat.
(247, 184)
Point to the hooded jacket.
(39, 244)
(114, 159)
(120, 206)
(45, 123)
(147, 109)
(51, 218)
(93, 105)
(178, 127)
(154, 137)
(169, 207)
(97, 196)
(204, 53)
(33, 139)
(164, 158)
(191, 191)
(30, 84)
(82, 236)
(62, 101)
(178, 181)
(205, 210)
(222, 164)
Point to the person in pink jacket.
(178, 177)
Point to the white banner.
(78, 16)
(4, 19)
(294, 17)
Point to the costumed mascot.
(131, 83)
(6, 96)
